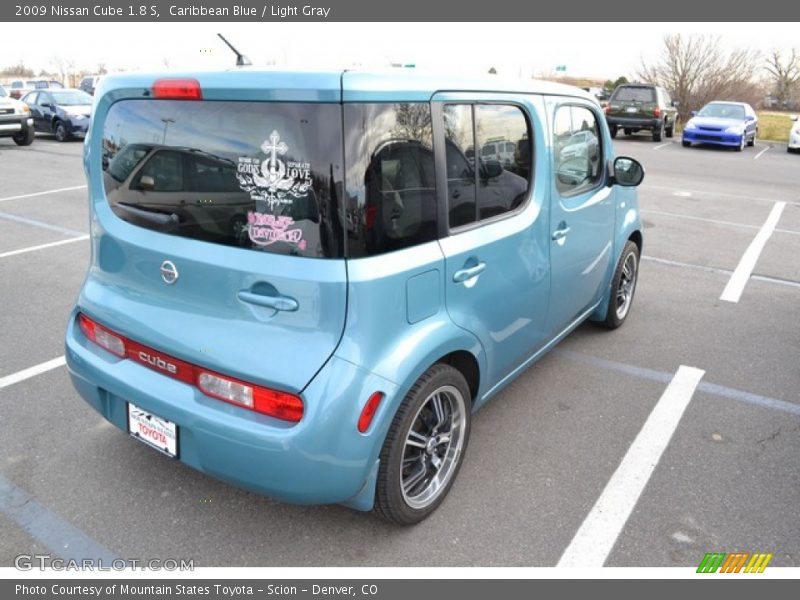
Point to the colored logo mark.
(734, 563)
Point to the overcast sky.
(602, 50)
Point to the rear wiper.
(165, 222)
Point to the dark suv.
(635, 106)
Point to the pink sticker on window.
(265, 229)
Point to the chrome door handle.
(277, 302)
(560, 233)
(465, 274)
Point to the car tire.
(417, 469)
(685, 144)
(60, 131)
(613, 131)
(742, 143)
(25, 137)
(658, 132)
(670, 131)
(752, 141)
(628, 131)
(623, 286)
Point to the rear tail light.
(102, 336)
(657, 112)
(607, 109)
(275, 403)
(177, 89)
(369, 410)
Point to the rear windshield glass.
(257, 175)
(635, 94)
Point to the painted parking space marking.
(664, 377)
(31, 372)
(44, 193)
(662, 145)
(733, 290)
(599, 531)
(676, 263)
(47, 528)
(43, 246)
(757, 156)
(40, 224)
(715, 221)
(713, 193)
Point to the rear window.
(634, 94)
(261, 176)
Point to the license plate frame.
(157, 432)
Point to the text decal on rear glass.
(273, 180)
(265, 229)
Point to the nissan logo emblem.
(169, 272)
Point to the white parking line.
(757, 156)
(599, 531)
(712, 193)
(661, 146)
(31, 372)
(66, 189)
(733, 290)
(715, 221)
(43, 246)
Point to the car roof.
(735, 103)
(322, 85)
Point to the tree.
(64, 68)
(695, 70)
(609, 86)
(784, 74)
(18, 70)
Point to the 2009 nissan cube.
(306, 284)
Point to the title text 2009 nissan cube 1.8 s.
(306, 284)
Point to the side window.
(498, 179)
(31, 98)
(390, 198)
(460, 160)
(165, 173)
(502, 182)
(577, 151)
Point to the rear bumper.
(320, 460)
(634, 122)
(705, 137)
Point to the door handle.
(559, 234)
(284, 303)
(465, 274)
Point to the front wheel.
(61, 132)
(25, 137)
(425, 446)
(752, 141)
(623, 286)
(685, 144)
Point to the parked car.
(66, 113)
(326, 359)
(19, 87)
(636, 106)
(89, 84)
(15, 119)
(723, 124)
(499, 150)
(794, 136)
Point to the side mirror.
(628, 172)
(749, 118)
(492, 169)
(693, 113)
(147, 183)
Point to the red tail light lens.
(102, 336)
(369, 410)
(275, 403)
(607, 109)
(657, 112)
(177, 89)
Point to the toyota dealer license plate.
(632, 109)
(153, 431)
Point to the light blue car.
(306, 284)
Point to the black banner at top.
(607, 11)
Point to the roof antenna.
(241, 59)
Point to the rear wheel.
(658, 132)
(623, 286)
(628, 131)
(25, 137)
(60, 131)
(613, 131)
(425, 446)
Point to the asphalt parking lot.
(540, 454)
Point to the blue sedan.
(64, 113)
(724, 124)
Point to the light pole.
(166, 121)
